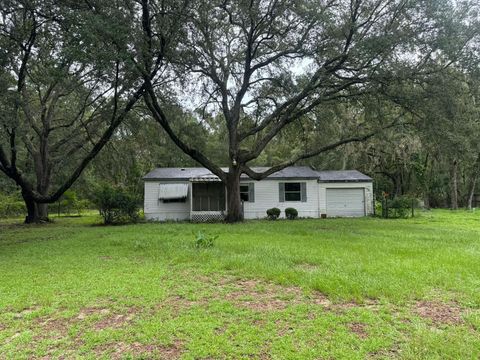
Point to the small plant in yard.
(204, 241)
(273, 213)
(291, 213)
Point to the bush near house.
(116, 206)
(291, 213)
(273, 213)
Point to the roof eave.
(346, 181)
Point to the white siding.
(348, 185)
(155, 209)
(267, 196)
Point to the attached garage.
(345, 193)
(346, 202)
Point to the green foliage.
(115, 205)
(378, 208)
(399, 207)
(70, 203)
(273, 213)
(11, 206)
(204, 241)
(291, 213)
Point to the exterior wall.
(156, 209)
(322, 194)
(267, 196)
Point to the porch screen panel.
(208, 196)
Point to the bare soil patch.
(116, 320)
(265, 296)
(262, 295)
(438, 312)
(57, 328)
(358, 329)
(25, 312)
(118, 350)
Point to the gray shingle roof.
(342, 176)
(292, 172)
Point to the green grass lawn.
(305, 289)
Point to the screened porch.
(208, 201)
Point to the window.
(247, 192)
(244, 192)
(293, 192)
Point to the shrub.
(115, 205)
(291, 213)
(273, 213)
(400, 207)
(378, 208)
(203, 241)
(11, 206)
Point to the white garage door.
(346, 202)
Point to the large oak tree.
(69, 78)
(263, 65)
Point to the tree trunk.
(398, 184)
(42, 210)
(36, 213)
(454, 186)
(234, 204)
(473, 183)
(471, 195)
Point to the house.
(197, 194)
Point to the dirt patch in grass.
(266, 296)
(438, 312)
(391, 353)
(118, 350)
(52, 328)
(26, 312)
(358, 329)
(261, 296)
(92, 311)
(58, 328)
(178, 303)
(117, 320)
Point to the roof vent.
(182, 169)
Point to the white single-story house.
(196, 193)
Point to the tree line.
(102, 91)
